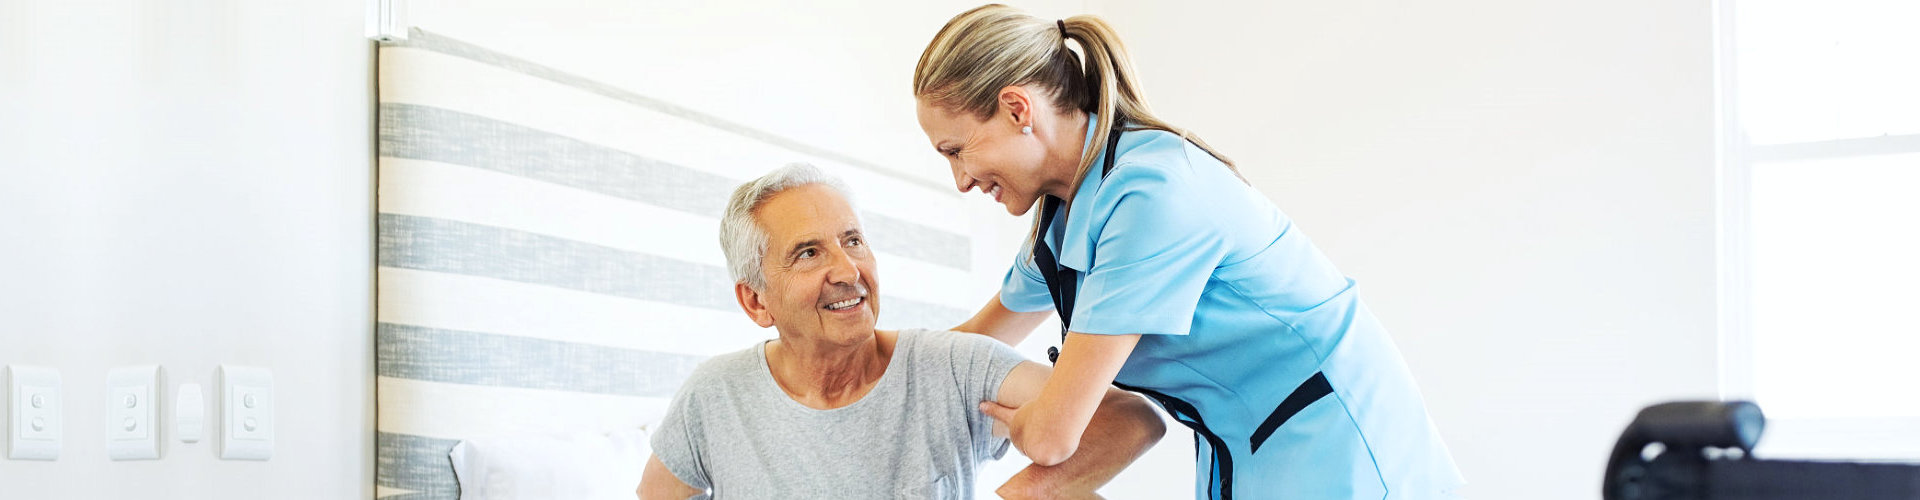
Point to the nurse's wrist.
(1037, 482)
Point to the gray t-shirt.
(918, 433)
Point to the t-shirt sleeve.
(1154, 252)
(676, 441)
(981, 364)
(1024, 290)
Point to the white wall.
(189, 183)
(1524, 190)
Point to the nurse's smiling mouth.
(993, 191)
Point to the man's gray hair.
(741, 236)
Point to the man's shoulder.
(924, 335)
(725, 368)
(943, 342)
(949, 347)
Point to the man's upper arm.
(676, 441)
(1023, 384)
(658, 483)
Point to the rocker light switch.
(189, 414)
(33, 413)
(132, 411)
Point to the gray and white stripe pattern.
(548, 258)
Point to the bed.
(547, 254)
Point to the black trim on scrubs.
(1307, 393)
(1188, 415)
(1062, 284)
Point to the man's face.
(820, 274)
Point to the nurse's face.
(820, 275)
(991, 153)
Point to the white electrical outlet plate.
(34, 413)
(246, 413)
(133, 412)
(189, 414)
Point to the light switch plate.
(133, 413)
(246, 413)
(33, 413)
(189, 414)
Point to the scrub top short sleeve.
(1024, 290)
(1155, 246)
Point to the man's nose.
(844, 269)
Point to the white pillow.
(581, 466)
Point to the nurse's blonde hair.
(995, 46)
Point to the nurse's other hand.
(1002, 417)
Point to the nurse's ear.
(1016, 105)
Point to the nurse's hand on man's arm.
(1051, 426)
(1123, 427)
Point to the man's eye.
(808, 253)
(855, 241)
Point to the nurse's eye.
(951, 153)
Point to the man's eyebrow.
(803, 244)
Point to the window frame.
(1850, 438)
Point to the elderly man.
(836, 409)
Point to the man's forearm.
(1122, 429)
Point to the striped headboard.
(548, 255)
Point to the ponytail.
(995, 46)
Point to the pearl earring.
(1027, 130)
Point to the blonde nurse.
(1172, 277)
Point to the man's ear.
(750, 302)
(1018, 104)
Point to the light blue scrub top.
(1238, 311)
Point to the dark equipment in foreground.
(1704, 451)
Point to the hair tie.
(1063, 28)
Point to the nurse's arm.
(1006, 325)
(1122, 429)
(1048, 429)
